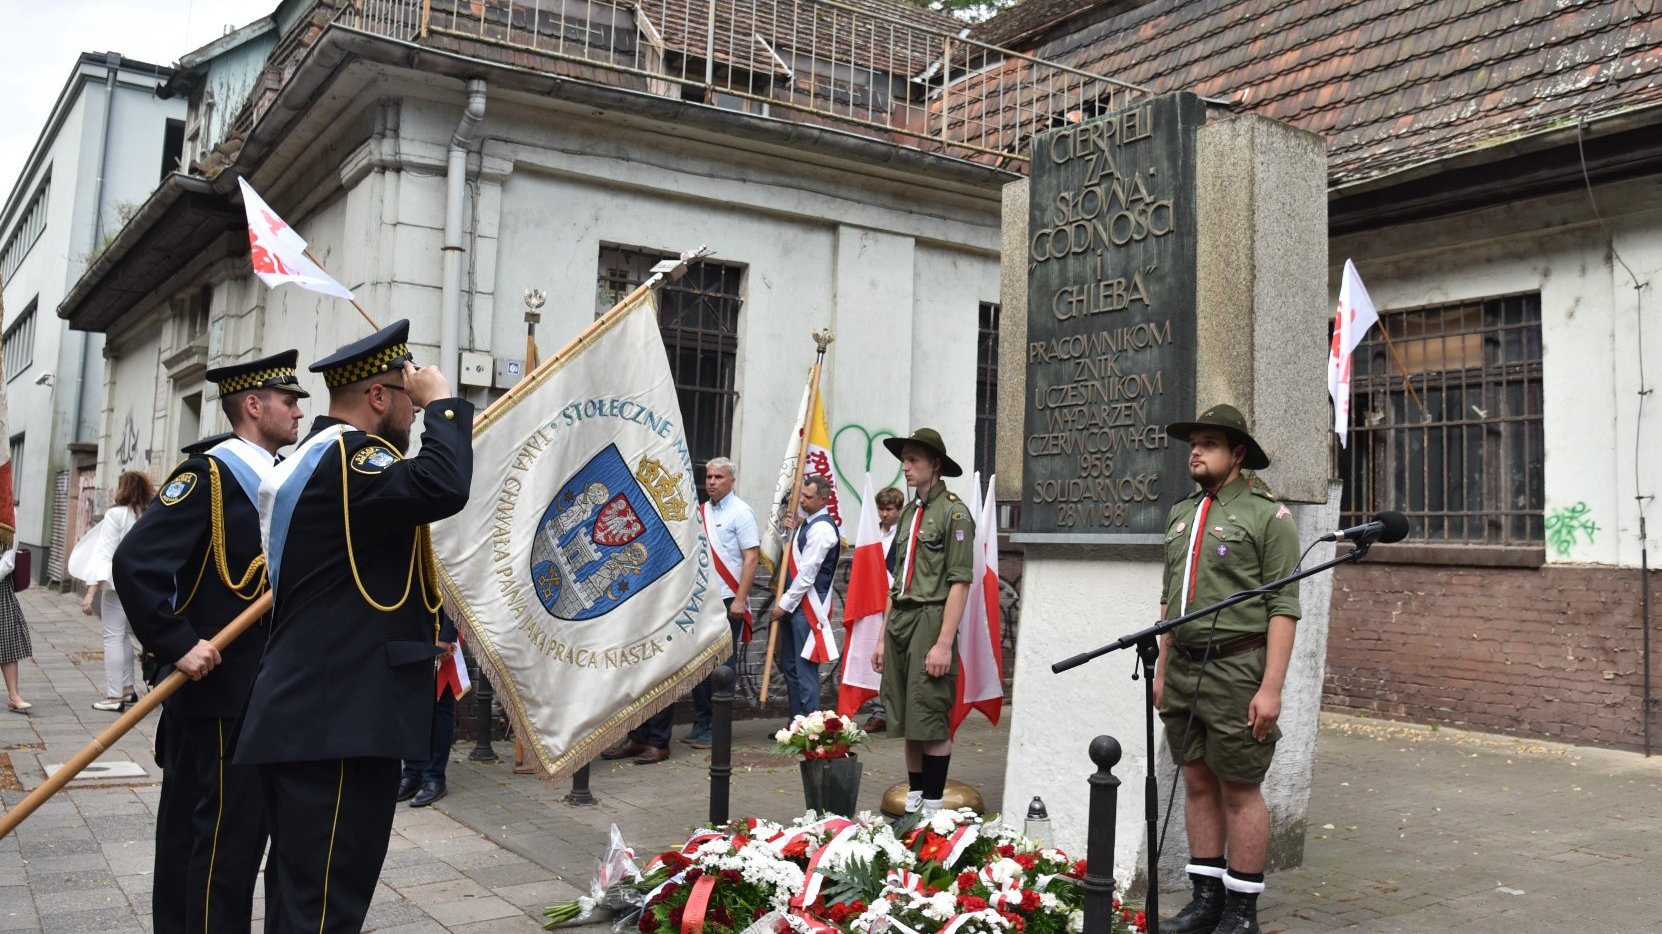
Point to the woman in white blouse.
(133, 493)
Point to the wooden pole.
(373, 326)
(1407, 381)
(103, 741)
(780, 578)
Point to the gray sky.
(41, 40)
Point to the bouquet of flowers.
(826, 874)
(819, 735)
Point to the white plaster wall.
(1591, 348)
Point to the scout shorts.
(918, 706)
(1219, 734)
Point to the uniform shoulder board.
(373, 459)
(1265, 492)
(952, 497)
(179, 486)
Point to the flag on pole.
(1351, 321)
(579, 565)
(278, 254)
(868, 597)
(817, 460)
(981, 633)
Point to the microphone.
(1388, 526)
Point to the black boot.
(1200, 915)
(1240, 914)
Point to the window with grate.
(1446, 423)
(26, 232)
(17, 348)
(986, 390)
(17, 468)
(698, 316)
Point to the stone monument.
(1165, 257)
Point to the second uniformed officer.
(930, 563)
(189, 566)
(345, 689)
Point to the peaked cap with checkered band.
(385, 350)
(273, 372)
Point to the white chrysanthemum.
(1004, 870)
(1076, 921)
(782, 737)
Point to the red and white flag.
(868, 597)
(453, 672)
(810, 421)
(1351, 321)
(278, 254)
(981, 633)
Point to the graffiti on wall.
(129, 449)
(854, 448)
(1567, 526)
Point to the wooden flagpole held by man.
(822, 340)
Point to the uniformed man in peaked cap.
(930, 564)
(345, 689)
(190, 565)
(1218, 681)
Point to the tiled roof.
(1390, 83)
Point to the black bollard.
(721, 743)
(1099, 839)
(482, 695)
(579, 795)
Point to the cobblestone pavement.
(1410, 829)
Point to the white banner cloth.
(579, 567)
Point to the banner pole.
(150, 701)
(313, 257)
(823, 340)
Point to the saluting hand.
(425, 384)
(201, 659)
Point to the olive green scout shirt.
(1249, 540)
(943, 553)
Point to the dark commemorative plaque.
(1110, 323)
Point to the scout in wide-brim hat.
(1231, 422)
(931, 439)
(273, 372)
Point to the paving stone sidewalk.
(1410, 829)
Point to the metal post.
(482, 695)
(1099, 840)
(721, 743)
(579, 795)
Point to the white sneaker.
(108, 703)
(931, 807)
(914, 800)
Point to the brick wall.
(1550, 652)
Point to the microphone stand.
(1146, 642)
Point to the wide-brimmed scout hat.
(931, 439)
(1228, 419)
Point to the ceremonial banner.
(579, 565)
(278, 254)
(1351, 321)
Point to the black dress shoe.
(407, 787)
(628, 749)
(430, 792)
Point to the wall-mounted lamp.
(44, 379)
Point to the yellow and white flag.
(817, 460)
(579, 565)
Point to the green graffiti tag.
(1566, 526)
(853, 459)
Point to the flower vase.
(831, 785)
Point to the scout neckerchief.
(1196, 538)
(722, 570)
(911, 548)
(280, 492)
(816, 606)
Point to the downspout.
(112, 65)
(455, 196)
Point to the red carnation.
(694, 874)
(1006, 850)
(731, 875)
(721, 916)
(649, 922)
(966, 880)
(1016, 921)
(1078, 870)
(1140, 919)
(676, 916)
(971, 903)
(1025, 861)
(1029, 901)
(833, 725)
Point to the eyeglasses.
(387, 386)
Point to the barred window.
(1460, 453)
(26, 232)
(986, 390)
(17, 350)
(698, 316)
(17, 468)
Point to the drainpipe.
(455, 192)
(112, 66)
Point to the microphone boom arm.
(1161, 628)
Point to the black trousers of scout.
(210, 830)
(330, 824)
